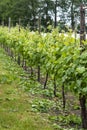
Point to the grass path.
(15, 104)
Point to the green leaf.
(84, 90)
(80, 70)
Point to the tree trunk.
(45, 83)
(82, 99)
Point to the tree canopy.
(29, 11)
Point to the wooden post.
(38, 74)
(82, 97)
(9, 24)
(19, 24)
(39, 24)
(75, 27)
(19, 58)
(55, 24)
(82, 25)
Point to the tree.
(18, 9)
(70, 10)
(46, 10)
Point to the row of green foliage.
(58, 54)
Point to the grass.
(15, 104)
